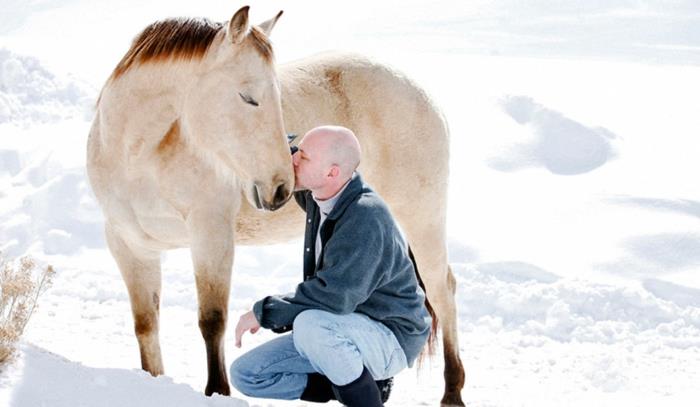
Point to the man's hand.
(247, 322)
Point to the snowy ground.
(574, 216)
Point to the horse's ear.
(238, 27)
(268, 25)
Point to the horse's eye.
(249, 100)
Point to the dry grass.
(21, 282)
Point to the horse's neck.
(145, 102)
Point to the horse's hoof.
(222, 389)
(452, 400)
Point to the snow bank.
(51, 209)
(46, 205)
(31, 94)
(521, 297)
(42, 378)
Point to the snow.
(30, 93)
(78, 385)
(561, 145)
(574, 211)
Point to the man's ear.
(334, 171)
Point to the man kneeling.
(360, 316)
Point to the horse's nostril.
(281, 194)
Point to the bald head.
(326, 159)
(337, 145)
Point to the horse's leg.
(454, 370)
(140, 270)
(211, 242)
(430, 250)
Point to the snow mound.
(683, 296)
(524, 298)
(560, 144)
(45, 379)
(51, 209)
(31, 94)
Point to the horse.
(188, 148)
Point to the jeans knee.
(309, 327)
(309, 319)
(241, 375)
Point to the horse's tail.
(432, 338)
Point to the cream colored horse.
(188, 144)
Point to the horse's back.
(404, 138)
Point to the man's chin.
(297, 185)
(300, 187)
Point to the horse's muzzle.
(279, 198)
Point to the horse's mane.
(180, 38)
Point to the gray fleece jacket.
(364, 267)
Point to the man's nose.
(295, 157)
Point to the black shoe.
(362, 392)
(384, 387)
(318, 389)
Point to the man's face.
(310, 168)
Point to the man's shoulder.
(370, 199)
(369, 205)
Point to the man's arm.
(351, 272)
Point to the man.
(359, 315)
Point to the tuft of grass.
(21, 283)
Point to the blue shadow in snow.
(680, 206)
(561, 145)
(671, 251)
(678, 294)
(517, 272)
(659, 254)
(461, 253)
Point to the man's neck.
(330, 192)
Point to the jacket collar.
(351, 191)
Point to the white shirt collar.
(327, 205)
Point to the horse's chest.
(255, 227)
(157, 218)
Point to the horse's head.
(234, 112)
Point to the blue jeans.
(337, 346)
